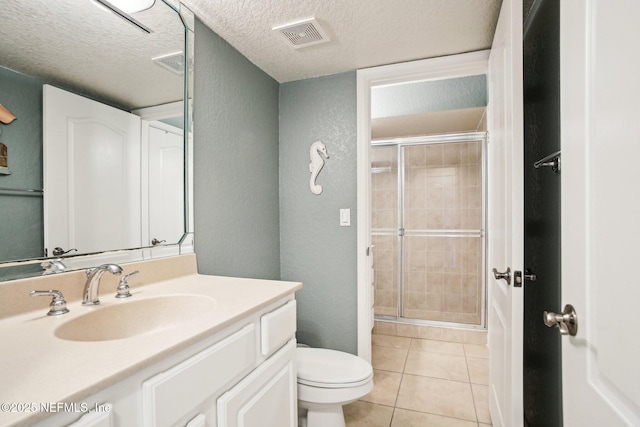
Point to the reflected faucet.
(93, 282)
(53, 266)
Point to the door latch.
(518, 276)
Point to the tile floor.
(424, 383)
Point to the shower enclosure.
(428, 228)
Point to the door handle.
(505, 276)
(155, 241)
(58, 251)
(567, 321)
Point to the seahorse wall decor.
(317, 162)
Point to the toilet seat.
(323, 368)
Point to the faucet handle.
(123, 287)
(58, 304)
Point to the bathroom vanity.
(184, 350)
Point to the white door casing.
(505, 217)
(453, 66)
(600, 131)
(91, 174)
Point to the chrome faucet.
(93, 282)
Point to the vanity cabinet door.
(175, 393)
(265, 398)
(95, 418)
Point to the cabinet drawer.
(278, 327)
(170, 395)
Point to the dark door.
(542, 351)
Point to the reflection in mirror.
(94, 57)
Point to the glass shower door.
(443, 232)
(384, 238)
(428, 231)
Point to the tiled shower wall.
(443, 251)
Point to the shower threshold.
(434, 323)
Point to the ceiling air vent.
(173, 62)
(307, 32)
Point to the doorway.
(426, 70)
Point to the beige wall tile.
(452, 303)
(387, 328)
(437, 346)
(433, 301)
(416, 281)
(470, 284)
(435, 280)
(471, 319)
(390, 341)
(385, 311)
(412, 331)
(476, 350)
(451, 154)
(415, 156)
(453, 283)
(433, 155)
(431, 332)
(476, 337)
(470, 304)
(453, 335)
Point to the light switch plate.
(345, 217)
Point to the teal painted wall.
(236, 203)
(426, 97)
(314, 248)
(21, 215)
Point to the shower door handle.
(505, 276)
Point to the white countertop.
(36, 366)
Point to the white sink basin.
(130, 318)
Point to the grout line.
(475, 406)
(393, 413)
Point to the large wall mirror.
(62, 65)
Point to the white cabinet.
(266, 397)
(167, 397)
(242, 375)
(247, 379)
(95, 418)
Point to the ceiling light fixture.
(130, 6)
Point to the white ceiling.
(363, 33)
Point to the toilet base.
(325, 416)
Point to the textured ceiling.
(364, 33)
(75, 45)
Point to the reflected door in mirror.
(166, 184)
(92, 196)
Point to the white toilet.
(328, 379)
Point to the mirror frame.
(185, 244)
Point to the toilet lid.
(321, 367)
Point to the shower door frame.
(400, 232)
